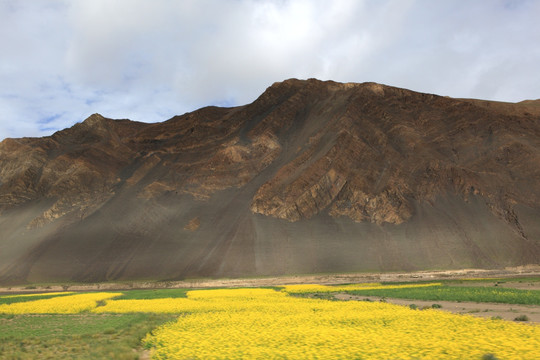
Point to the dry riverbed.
(323, 279)
(487, 310)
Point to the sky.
(148, 60)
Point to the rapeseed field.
(314, 288)
(266, 324)
(71, 304)
(272, 324)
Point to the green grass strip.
(457, 293)
(11, 299)
(152, 294)
(78, 336)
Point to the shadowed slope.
(311, 177)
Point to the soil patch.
(486, 310)
(322, 279)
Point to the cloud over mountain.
(148, 61)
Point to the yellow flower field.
(35, 295)
(70, 304)
(266, 324)
(312, 288)
(271, 324)
(172, 306)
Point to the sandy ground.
(324, 279)
(145, 355)
(487, 310)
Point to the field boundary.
(322, 279)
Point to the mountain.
(311, 177)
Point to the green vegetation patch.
(152, 294)
(80, 336)
(531, 279)
(10, 299)
(500, 280)
(457, 293)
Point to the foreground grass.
(76, 336)
(81, 335)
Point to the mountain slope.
(311, 177)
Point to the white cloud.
(149, 60)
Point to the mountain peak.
(95, 120)
(313, 84)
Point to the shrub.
(522, 318)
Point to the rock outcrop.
(311, 177)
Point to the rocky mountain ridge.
(311, 177)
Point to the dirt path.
(487, 310)
(144, 354)
(325, 279)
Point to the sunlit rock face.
(311, 177)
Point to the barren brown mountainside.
(312, 177)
